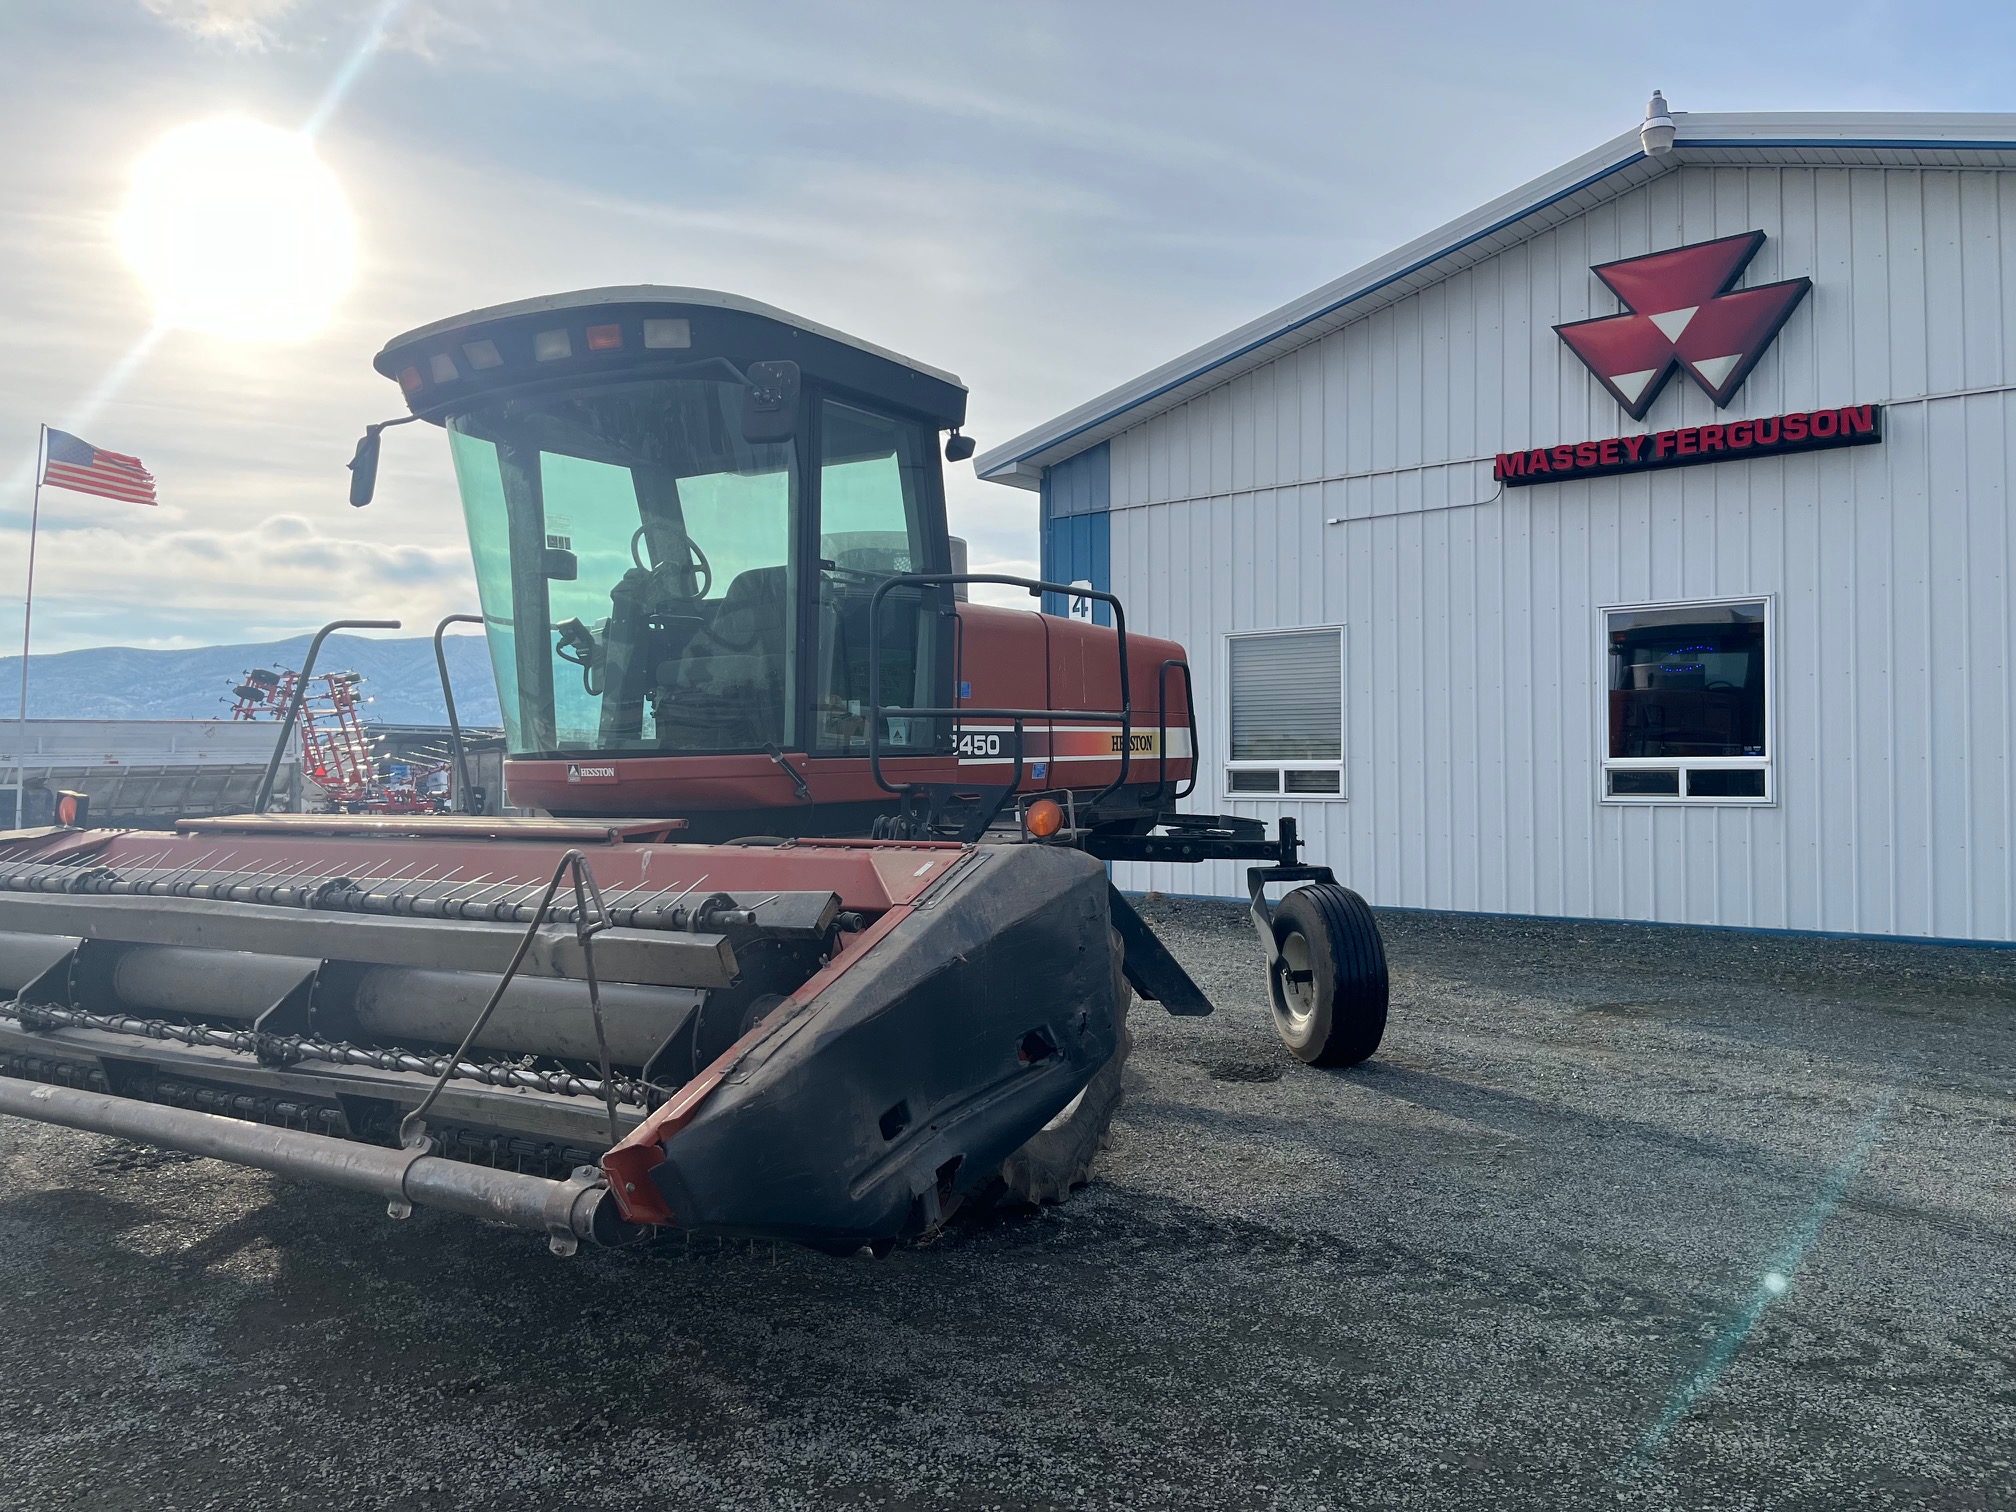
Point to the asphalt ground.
(1529, 1257)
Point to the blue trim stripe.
(1077, 528)
(1901, 146)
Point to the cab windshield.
(633, 561)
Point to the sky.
(1047, 199)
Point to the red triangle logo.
(1679, 313)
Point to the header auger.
(813, 937)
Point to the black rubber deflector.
(1152, 972)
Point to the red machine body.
(1011, 658)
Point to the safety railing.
(1036, 587)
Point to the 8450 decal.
(977, 742)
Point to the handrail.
(463, 788)
(1162, 729)
(1036, 587)
(300, 694)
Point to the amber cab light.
(1044, 818)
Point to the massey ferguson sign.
(1682, 313)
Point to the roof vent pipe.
(1656, 135)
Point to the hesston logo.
(576, 772)
(1680, 312)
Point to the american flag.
(88, 469)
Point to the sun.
(239, 230)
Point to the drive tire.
(1338, 1015)
(1059, 1156)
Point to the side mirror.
(364, 465)
(560, 566)
(364, 468)
(770, 402)
(958, 448)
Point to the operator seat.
(725, 691)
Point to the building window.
(1689, 703)
(1285, 698)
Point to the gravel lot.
(1524, 1259)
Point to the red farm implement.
(813, 937)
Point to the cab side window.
(872, 500)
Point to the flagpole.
(27, 622)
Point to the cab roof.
(504, 346)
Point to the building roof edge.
(1014, 462)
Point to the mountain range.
(123, 682)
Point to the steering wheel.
(1725, 686)
(697, 565)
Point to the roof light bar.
(672, 334)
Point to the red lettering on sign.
(1802, 431)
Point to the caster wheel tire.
(1329, 988)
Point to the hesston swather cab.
(817, 941)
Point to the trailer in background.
(144, 773)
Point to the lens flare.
(240, 231)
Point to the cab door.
(879, 512)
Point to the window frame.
(1226, 764)
(1767, 763)
(811, 446)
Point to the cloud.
(1045, 198)
(243, 24)
(207, 584)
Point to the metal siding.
(1473, 697)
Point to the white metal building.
(1749, 660)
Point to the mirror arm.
(363, 463)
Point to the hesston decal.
(1680, 311)
(1801, 431)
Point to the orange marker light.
(605, 338)
(1044, 818)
